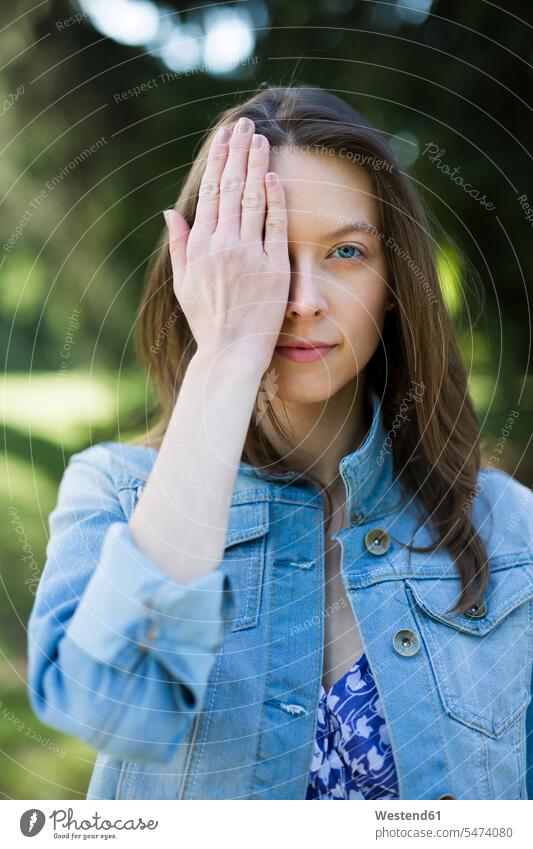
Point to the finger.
(232, 181)
(206, 216)
(275, 244)
(178, 235)
(254, 195)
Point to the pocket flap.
(247, 520)
(507, 589)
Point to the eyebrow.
(354, 227)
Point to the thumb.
(178, 236)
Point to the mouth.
(300, 342)
(307, 352)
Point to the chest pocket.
(244, 555)
(481, 663)
(244, 559)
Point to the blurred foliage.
(457, 78)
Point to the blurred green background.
(87, 167)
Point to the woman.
(301, 585)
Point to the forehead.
(315, 182)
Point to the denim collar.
(367, 472)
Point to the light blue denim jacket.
(210, 690)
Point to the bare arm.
(181, 518)
(233, 287)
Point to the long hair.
(435, 447)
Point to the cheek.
(362, 313)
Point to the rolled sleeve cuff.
(131, 607)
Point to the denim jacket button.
(377, 541)
(406, 642)
(446, 796)
(477, 610)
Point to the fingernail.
(271, 179)
(257, 141)
(244, 125)
(166, 217)
(223, 135)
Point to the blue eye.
(349, 251)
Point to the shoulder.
(123, 462)
(101, 481)
(500, 490)
(503, 514)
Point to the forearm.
(181, 519)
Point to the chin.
(298, 390)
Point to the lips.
(307, 353)
(306, 343)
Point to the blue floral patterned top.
(352, 755)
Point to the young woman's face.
(339, 292)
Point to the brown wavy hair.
(436, 443)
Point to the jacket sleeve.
(118, 652)
(528, 510)
(529, 744)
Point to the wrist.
(231, 360)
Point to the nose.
(305, 297)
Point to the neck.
(322, 434)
